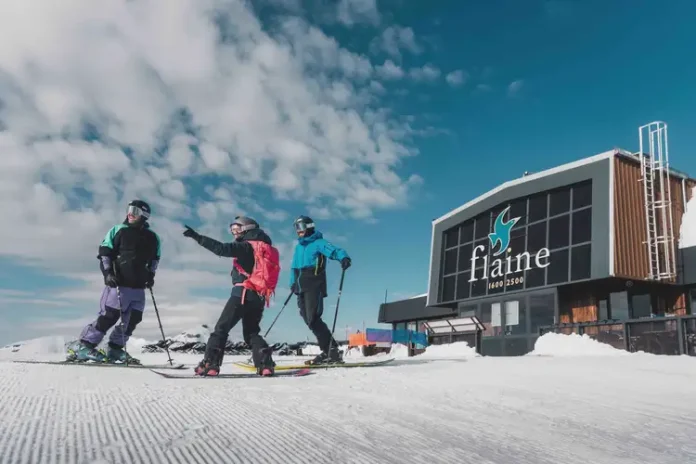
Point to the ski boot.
(207, 369)
(85, 352)
(266, 367)
(332, 357)
(117, 355)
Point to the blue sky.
(458, 96)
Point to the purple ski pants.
(132, 305)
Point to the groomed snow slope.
(530, 409)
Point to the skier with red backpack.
(255, 274)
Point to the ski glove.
(111, 280)
(189, 232)
(151, 280)
(293, 288)
(345, 263)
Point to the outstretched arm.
(225, 250)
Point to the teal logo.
(501, 232)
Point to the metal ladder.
(657, 202)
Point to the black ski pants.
(311, 306)
(250, 312)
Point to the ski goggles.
(138, 212)
(237, 228)
(302, 226)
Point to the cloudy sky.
(371, 117)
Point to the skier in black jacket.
(128, 258)
(243, 304)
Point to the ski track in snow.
(525, 410)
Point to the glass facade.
(511, 322)
(529, 242)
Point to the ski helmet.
(139, 209)
(304, 224)
(245, 223)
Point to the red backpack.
(264, 278)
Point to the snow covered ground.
(556, 405)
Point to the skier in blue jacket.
(308, 282)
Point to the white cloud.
(390, 71)
(426, 73)
(515, 87)
(351, 12)
(171, 98)
(394, 39)
(456, 78)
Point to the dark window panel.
(517, 245)
(580, 262)
(518, 208)
(485, 316)
(466, 231)
(582, 226)
(478, 288)
(483, 225)
(536, 237)
(463, 286)
(559, 233)
(452, 237)
(559, 201)
(535, 277)
(541, 311)
(558, 267)
(451, 261)
(641, 306)
(537, 207)
(582, 195)
(448, 288)
(618, 303)
(465, 257)
(518, 231)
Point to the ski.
(248, 366)
(95, 364)
(286, 373)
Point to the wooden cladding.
(579, 310)
(630, 251)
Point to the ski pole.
(164, 340)
(287, 300)
(338, 300)
(123, 328)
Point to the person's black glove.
(293, 288)
(151, 280)
(345, 263)
(190, 233)
(110, 280)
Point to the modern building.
(589, 241)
